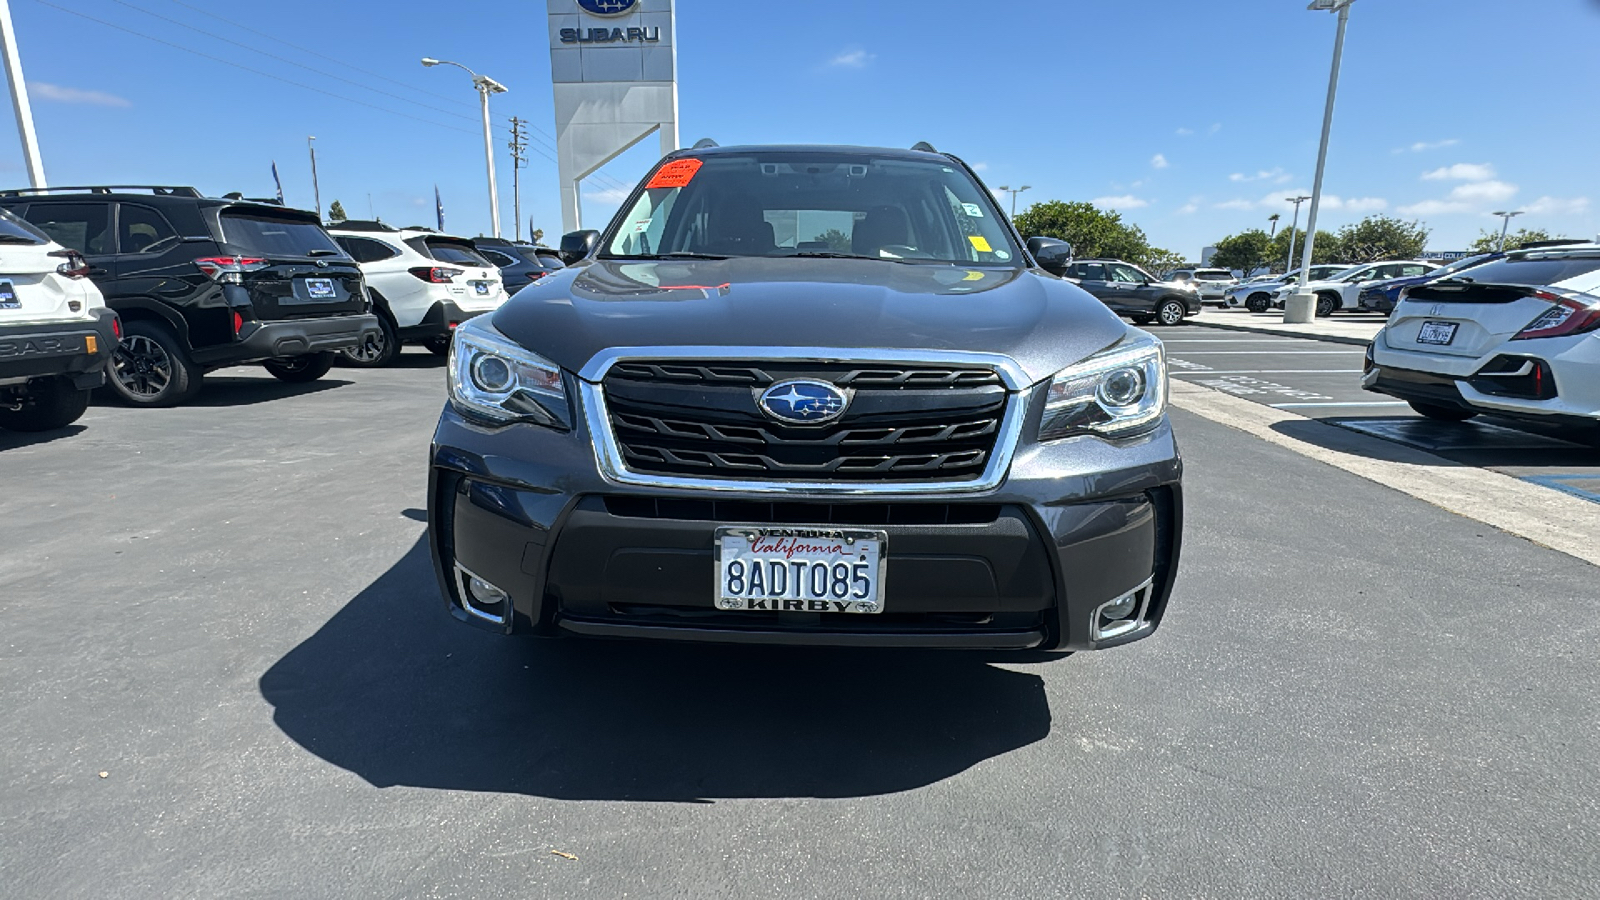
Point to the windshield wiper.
(676, 254)
(323, 252)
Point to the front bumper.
(292, 337)
(60, 348)
(1075, 525)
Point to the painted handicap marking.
(1586, 487)
(1426, 434)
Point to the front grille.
(905, 423)
(761, 512)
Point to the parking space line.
(1270, 352)
(1340, 403)
(1267, 372)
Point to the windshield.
(1464, 263)
(277, 237)
(452, 252)
(1535, 271)
(1213, 275)
(810, 203)
(1354, 273)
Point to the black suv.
(819, 395)
(1131, 291)
(201, 283)
(520, 263)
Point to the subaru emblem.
(803, 401)
(322, 264)
(608, 7)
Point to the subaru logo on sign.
(608, 7)
(804, 402)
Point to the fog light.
(482, 599)
(1119, 609)
(1123, 615)
(482, 593)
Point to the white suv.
(56, 333)
(1517, 337)
(422, 283)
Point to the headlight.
(495, 381)
(1115, 392)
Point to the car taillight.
(238, 324)
(228, 269)
(1571, 315)
(75, 266)
(436, 274)
(116, 326)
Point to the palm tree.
(1274, 220)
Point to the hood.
(1043, 323)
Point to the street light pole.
(485, 86)
(316, 190)
(1014, 192)
(19, 97)
(1302, 306)
(1505, 226)
(1288, 264)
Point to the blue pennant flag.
(438, 206)
(278, 181)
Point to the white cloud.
(852, 59)
(74, 95)
(980, 167)
(1483, 192)
(1127, 201)
(1185, 132)
(1277, 201)
(1188, 209)
(1558, 206)
(1277, 176)
(1215, 127)
(1236, 204)
(1461, 172)
(1421, 146)
(1159, 161)
(1434, 208)
(1361, 204)
(610, 196)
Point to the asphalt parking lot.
(1322, 380)
(226, 672)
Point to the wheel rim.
(369, 350)
(1171, 314)
(142, 366)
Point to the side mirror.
(578, 245)
(1052, 255)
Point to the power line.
(229, 62)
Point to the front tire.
(150, 367)
(439, 346)
(50, 405)
(1326, 305)
(300, 369)
(1440, 413)
(375, 352)
(1171, 313)
(1258, 303)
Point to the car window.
(1536, 271)
(783, 203)
(1126, 274)
(1413, 271)
(1213, 275)
(84, 227)
(499, 259)
(141, 229)
(17, 229)
(452, 252)
(1092, 271)
(549, 262)
(365, 250)
(253, 232)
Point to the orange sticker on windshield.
(675, 174)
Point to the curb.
(1283, 332)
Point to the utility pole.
(1505, 226)
(19, 97)
(316, 190)
(1301, 307)
(1014, 192)
(519, 161)
(1294, 229)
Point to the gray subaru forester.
(808, 395)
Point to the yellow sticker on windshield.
(973, 276)
(981, 244)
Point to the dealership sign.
(608, 7)
(610, 35)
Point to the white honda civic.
(1518, 337)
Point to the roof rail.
(360, 225)
(924, 147)
(159, 190)
(704, 144)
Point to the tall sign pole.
(316, 190)
(19, 97)
(519, 161)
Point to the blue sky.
(1192, 119)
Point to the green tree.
(336, 212)
(537, 235)
(1092, 232)
(837, 241)
(1325, 250)
(1159, 262)
(1489, 241)
(1382, 237)
(1245, 251)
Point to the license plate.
(8, 296)
(320, 289)
(1438, 333)
(482, 287)
(800, 570)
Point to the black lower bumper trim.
(59, 348)
(292, 337)
(442, 319)
(988, 640)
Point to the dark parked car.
(201, 283)
(808, 395)
(521, 264)
(1131, 291)
(1381, 296)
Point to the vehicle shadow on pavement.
(12, 440)
(1543, 447)
(225, 391)
(395, 691)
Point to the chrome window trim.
(613, 468)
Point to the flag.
(278, 181)
(438, 207)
